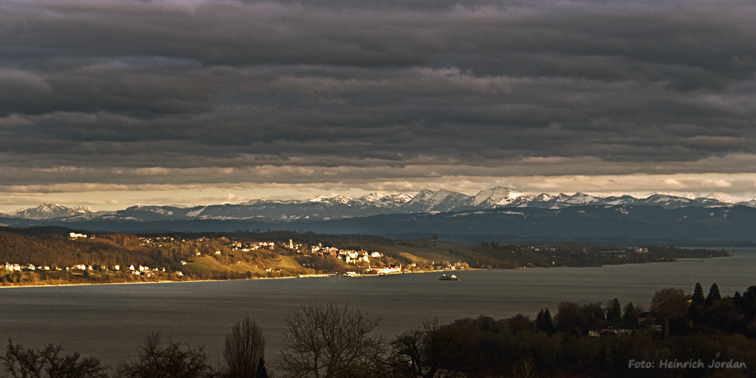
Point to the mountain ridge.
(335, 206)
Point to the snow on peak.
(749, 203)
(403, 197)
(440, 196)
(561, 197)
(376, 196)
(496, 196)
(689, 196)
(386, 197)
(161, 211)
(423, 195)
(49, 211)
(49, 207)
(196, 212)
(582, 198)
(721, 197)
(543, 197)
(334, 198)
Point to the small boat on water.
(444, 277)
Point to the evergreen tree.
(261, 372)
(749, 303)
(694, 311)
(630, 316)
(544, 322)
(713, 295)
(549, 323)
(541, 321)
(614, 312)
(698, 295)
(737, 300)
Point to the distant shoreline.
(246, 279)
(325, 275)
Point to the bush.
(49, 363)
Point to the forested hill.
(44, 256)
(53, 247)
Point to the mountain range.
(497, 214)
(340, 207)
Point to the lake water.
(108, 321)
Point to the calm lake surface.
(108, 321)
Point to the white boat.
(444, 277)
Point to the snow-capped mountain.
(500, 196)
(384, 199)
(667, 201)
(51, 211)
(749, 203)
(336, 206)
(333, 199)
(439, 201)
(718, 197)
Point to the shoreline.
(246, 279)
(326, 275)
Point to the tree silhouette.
(328, 340)
(614, 312)
(424, 353)
(669, 302)
(49, 363)
(156, 360)
(698, 295)
(244, 350)
(713, 295)
(545, 323)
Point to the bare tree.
(244, 350)
(328, 341)
(422, 353)
(156, 360)
(49, 363)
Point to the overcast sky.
(108, 103)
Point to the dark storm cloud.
(624, 87)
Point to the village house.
(12, 267)
(385, 269)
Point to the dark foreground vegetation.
(56, 255)
(680, 335)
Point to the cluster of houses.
(157, 241)
(349, 256)
(384, 269)
(75, 235)
(234, 244)
(26, 267)
(246, 247)
(136, 270)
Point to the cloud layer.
(223, 92)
